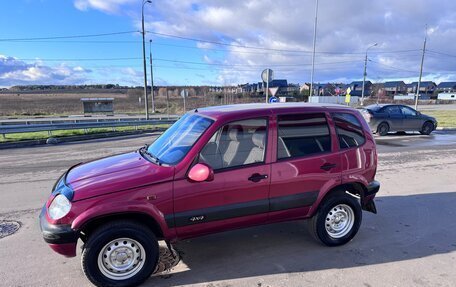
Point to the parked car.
(215, 169)
(386, 118)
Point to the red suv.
(215, 169)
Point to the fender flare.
(132, 207)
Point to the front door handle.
(327, 166)
(256, 177)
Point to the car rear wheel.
(427, 128)
(383, 129)
(337, 220)
(121, 253)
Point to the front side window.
(349, 130)
(302, 135)
(408, 111)
(236, 144)
(176, 141)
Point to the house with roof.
(356, 88)
(426, 87)
(304, 87)
(328, 89)
(282, 84)
(394, 88)
(446, 87)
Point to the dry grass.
(445, 118)
(125, 102)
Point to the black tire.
(337, 203)
(383, 129)
(427, 128)
(109, 233)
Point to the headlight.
(59, 207)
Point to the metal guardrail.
(76, 119)
(15, 128)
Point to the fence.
(49, 127)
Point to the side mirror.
(418, 113)
(201, 172)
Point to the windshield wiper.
(144, 150)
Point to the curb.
(54, 141)
(446, 128)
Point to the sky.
(216, 42)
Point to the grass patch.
(65, 133)
(445, 118)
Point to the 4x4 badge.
(197, 218)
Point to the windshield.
(176, 141)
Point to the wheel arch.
(384, 121)
(138, 217)
(356, 189)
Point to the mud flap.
(370, 206)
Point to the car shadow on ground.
(405, 228)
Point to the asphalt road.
(410, 242)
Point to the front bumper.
(367, 201)
(61, 238)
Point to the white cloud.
(343, 26)
(16, 72)
(108, 6)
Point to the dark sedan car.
(385, 118)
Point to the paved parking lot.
(410, 242)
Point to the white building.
(446, 96)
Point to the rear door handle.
(256, 177)
(328, 166)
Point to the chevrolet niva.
(215, 169)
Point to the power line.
(67, 37)
(271, 49)
(46, 39)
(81, 59)
(248, 65)
(184, 62)
(392, 67)
(440, 53)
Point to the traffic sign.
(347, 96)
(273, 91)
(273, 100)
(184, 93)
(267, 75)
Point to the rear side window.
(302, 135)
(392, 110)
(349, 130)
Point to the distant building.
(357, 87)
(446, 87)
(426, 87)
(447, 96)
(305, 87)
(395, 88)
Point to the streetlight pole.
(144, 58)
(365, 74)
(421, 71)
(313, 54)
(151, 77)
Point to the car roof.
(239, 110)
(377, 107)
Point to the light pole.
(144, 58)
(365, 74)
(313, 54)
(151, 77)
(421, 71)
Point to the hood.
(115, 173)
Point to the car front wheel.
(121, 253)
(337, 220)
(427, 128)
